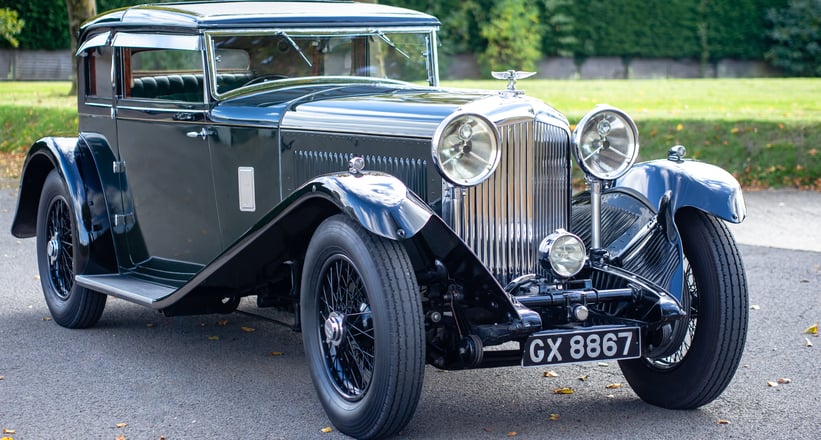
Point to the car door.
(165, 162)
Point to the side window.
(98, 72)
(164, 74)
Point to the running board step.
(127, 287)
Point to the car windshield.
(245, 59)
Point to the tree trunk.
(78, 12)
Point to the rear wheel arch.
(36, 169)
(72, 160)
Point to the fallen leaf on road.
(248, 329)
(723, 422)
(812, 330)
(602, 364)
(772, 384)
(512, 434)
(613, 386)
(121, 425)
(327, 429)
(755, 307)
(551, 374)
(583, 378)
(565, 390)
(784, 380)
(46, 318)
(213, 338)
(611, 396)
(553, 417)
(807, 342)
(2, 377)
(9, 431)
(120, 437)
(487, 429)
(150, 325)
(277, 353)
(222, 322)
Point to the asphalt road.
(191, 378)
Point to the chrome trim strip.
(158, 41)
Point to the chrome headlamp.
(606, 143)
(466, 149)
(562, 253)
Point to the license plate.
(571, 346)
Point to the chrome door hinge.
(123, 219)
(119, 167)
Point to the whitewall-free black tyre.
(715, 287)
(362, 329)
(58, 259)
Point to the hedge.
(700, 29)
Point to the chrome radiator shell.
(504, 219)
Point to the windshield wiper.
(295, 46)
(388, 41)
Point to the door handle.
(204, 133)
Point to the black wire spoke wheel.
(347, 336)
(59, 261)
(362, 328)
(712, 338)
(687, 330)
(60, 248)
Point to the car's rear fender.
(687, 183)
(72, 159)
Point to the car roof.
(241, 14)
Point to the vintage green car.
(304, 154)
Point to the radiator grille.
(412, 172)
(505, 218)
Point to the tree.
(796, 37)
(513, 36)
(78, 12)
(10, 26)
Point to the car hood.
(415, 113)
(373, 109)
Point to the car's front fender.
(380, 202)
(687, 183)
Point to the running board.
(127, 287)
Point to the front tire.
(716, 287)
(362, 329)
(59, 259)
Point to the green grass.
(31, 110)
(721, 99)
(767, 132)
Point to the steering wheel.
(264, 78)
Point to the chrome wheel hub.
(334, 328)
(53, 248)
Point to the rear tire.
(59, 259)
(706, 361)
(362, 329)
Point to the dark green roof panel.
(210, 15)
